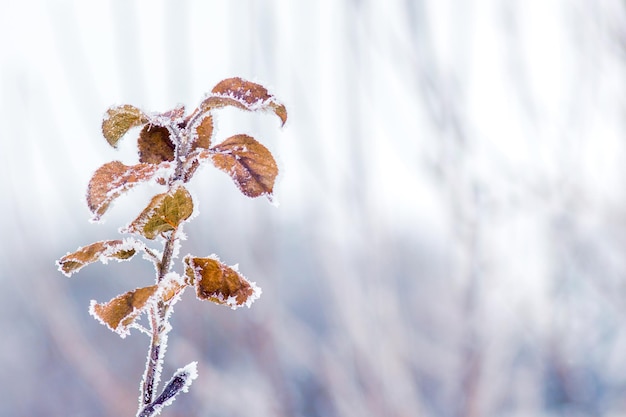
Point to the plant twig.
(158, 327)
(168, 252)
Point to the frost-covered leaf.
(180, 382)
(171, 287)
(250, 164)
(98, 251)
(204, 132)
(219, 283)
(114, 178)
(190, 169)
(175, 116)
(164, 213)
(155, 145)
(245, 95)
(120, 119)
(122, 311)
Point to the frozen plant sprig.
(172, 146)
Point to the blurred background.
(452, 223)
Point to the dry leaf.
(155, 145)
(98, 251)
(204, 132)
(250, 164)
(245, 95)
(175, 115)
(171, 287)
(119, 120)
(122, 311)
(164, 213)
(114, 178)
(219, 283)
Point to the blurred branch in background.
(450, 235)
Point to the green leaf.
(245, 95)
(120, 119)
(219, 283)
(164, 213)
(250, 164)
(98, 251)
(114, 178)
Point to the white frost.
(192, 373)
(123, 331)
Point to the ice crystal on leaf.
(113, 179)
(171, 146)
(164, 213)
(250, 164)
(219, 283)
(171, 288)
(119, 120)
(245, 95)
(99, 251)
(201, 135)
(180, 382)
(122, 311)
(170, 117)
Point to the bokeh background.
(451, 234)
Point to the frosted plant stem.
(158, 326)
(166, 260)
(153, 362)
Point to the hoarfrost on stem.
(180, 382)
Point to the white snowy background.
(451, 235)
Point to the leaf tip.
(255, 295)
(95, 310)
(65, 267)
(281, 112)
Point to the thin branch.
(141, 328)
(180, 382)
(158, 327)
(148, 385)
(151, 254)
(166, 260)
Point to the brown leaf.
(164, 213)
(119, 120)
(171, 287)
(219, 283)
(174, 116)
(204, 132)
(155, 145)
(250, 164)
(245, 95)
(99, 251)
(191, 167)
(114, 178)
(122, 311)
